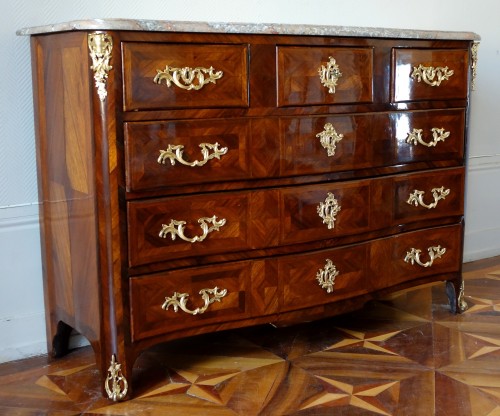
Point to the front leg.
(455, 292)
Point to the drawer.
(428, 195)
(416, 254)
(185, 152)
(429, 135)
(171, 228)
(321, 277)
(162, 75)
(429, 74)
(201, 225)
(335, 143)
(171, 301)
(324, 75)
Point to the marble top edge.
(245, 28)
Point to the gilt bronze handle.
(176, 153)
(417, 197)
(179, 300)
(176, 228)
(438, 135)
(187, 78)
(435, 252)
(430, 75)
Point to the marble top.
(250, 28)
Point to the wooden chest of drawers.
(199, 180)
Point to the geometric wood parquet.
(403, 355)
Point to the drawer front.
(318, 75)
(166, 302)
(335, 143)
(429, 74)
(172, 228)
(317, 212)
(429, 135)
(184, 75)
(416, 254)
(323, 277)
(428, 195)
(184, 152)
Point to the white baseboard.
(481, 244)
(22, 312)
(22, 336)
(482, 219)
(22, 315)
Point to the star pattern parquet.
(403, 355)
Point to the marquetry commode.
(199, 177)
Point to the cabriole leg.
(455, 292)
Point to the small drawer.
(166, 302)
(200, 225)
(433, 194)
(429, 135)
(323, 277)
(157, 75)
(321, 75)
(416, 254)
(429, 74)
(185, 152)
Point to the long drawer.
(179, 152)
(170, 301)
(202, 225)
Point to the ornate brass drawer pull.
(328, 210)
(326, 276)
(179, 300)
(435, 252)
(177, 228)
(187, 78)
(417, 197)
(430, 75)
(329, 138)
(329, 74)
(438, 135)
(176, 153)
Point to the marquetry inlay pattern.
(374, 361)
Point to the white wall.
(21, 299)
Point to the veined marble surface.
(251, 28)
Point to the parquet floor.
(404, 355)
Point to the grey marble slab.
(250, 28)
